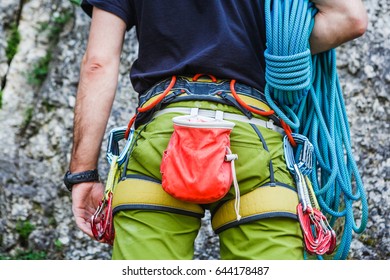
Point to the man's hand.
(86, 198)
(337, 22)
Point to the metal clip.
(101, 221)
(115, 136)
(319, 237)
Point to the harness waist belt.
(263, 202)
(251, 101)
(187, 87)
(137, 193)
(223, 115)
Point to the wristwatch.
(71, 179)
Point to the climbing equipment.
(196, 165)
(136, 192)
(266, 201)
(305, 92)
(319, 237)
(182, 88)
(269, 124)
(101, 221)
(286, 128)
(179, 175)
(150, 106)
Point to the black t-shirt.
(225, 38)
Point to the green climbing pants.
(147, 233)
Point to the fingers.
(85, 200)
(84, 226)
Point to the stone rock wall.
(41, 46)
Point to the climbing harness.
(184, 88)
(267, 201)
(183, 166)
(136, 192)
(101, 221)
(305, 92)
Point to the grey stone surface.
(36, 123)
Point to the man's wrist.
(71, 179)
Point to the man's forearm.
(337, 22)
(98, 82)
(97, 87)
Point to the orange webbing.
(150, 106)
(246, 106)
(197, 76)
(286, 128)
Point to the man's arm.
(337, 22)
(95, 96)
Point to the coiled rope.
(305, 92)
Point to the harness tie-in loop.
(197, 76)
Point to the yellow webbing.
(265, 201)
(134, 191)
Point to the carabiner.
(115, 136)
(319, 238)
(101, 221)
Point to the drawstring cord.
(232, 157)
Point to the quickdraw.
(101, 221)
(319, 237)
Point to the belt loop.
(219, 115)
(270, 124)
(194, 112)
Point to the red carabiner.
(101, 222)
(319, 238)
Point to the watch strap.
(71, 179)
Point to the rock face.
(41, 46)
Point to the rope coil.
(315, 110)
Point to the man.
(225, 39)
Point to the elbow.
(359, 23)
(358, 20)
(94, 64)
(98, 68)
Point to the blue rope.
(305, 92)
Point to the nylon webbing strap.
(247, 99)
(137, 194)
(263, 202)
(223, 115)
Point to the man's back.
(225, 38)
